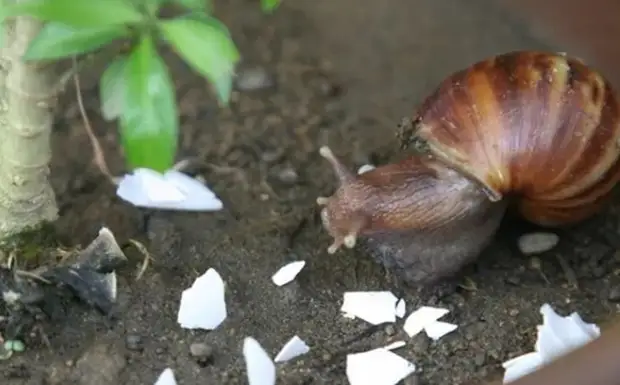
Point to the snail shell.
(537, 131)
(539, 126)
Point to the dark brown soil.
(345, 72)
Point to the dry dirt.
(343, 73)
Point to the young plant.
(136, 87)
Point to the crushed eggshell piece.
(375, 307)
(259, 367)
(166, 378)
(557, 336)
(203, 305)
(438, 329)
(377, 367)
(172, 190)
(401, 308)
(422, 317)
(295, 347)
(520, 366)
(395, 345)
(287, 273)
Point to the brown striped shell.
(538, 125)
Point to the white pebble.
(536, 243)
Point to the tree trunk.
(27, 103)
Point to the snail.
(535, 132)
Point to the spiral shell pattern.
(539, 126)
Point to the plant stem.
(26, 117)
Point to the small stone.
(390, 330)
(535, 263)
(480, 359)
(513, 312)
(101, 364)
(202, 352)
(421, 343)
(252, 79)
(513, 280)
(493, 353)
(536, 243)
(614, 294)
(200, 349)
(271, 156)
(133, 342)
(288, 175)
(330, 89)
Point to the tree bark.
(26, 117)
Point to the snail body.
(535, 131)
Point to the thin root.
(33, 275)
(147, 258)
(12, 260)
(43, 335)
(99, 157)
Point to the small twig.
(71, 72)
(33, 276)
(98, 154)
(147, 258)
(11, 260)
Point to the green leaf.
(56, 40)
(269, 5)
(82, 13)
(206, 45)
(149, 121)
(153, 6)
(112, 89)
(198, 5)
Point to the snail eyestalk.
(343, 174)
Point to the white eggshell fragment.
(287, 273)
(260, 368)
(375, 307)
(203, 305)
(295, 347)
(172, 190)
(377, 367)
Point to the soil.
(341, 73)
